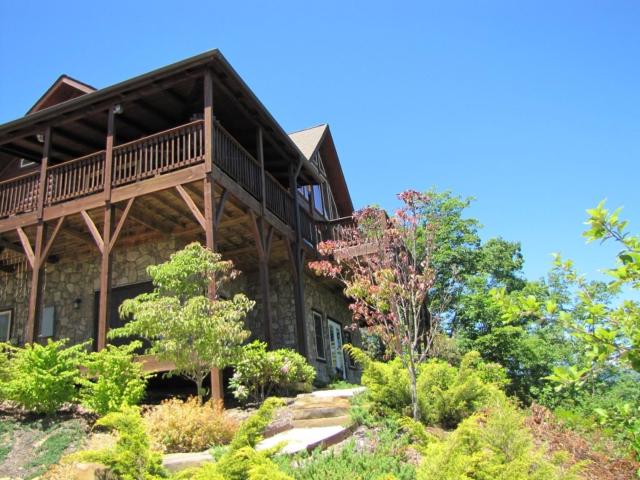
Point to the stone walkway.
(318, 419)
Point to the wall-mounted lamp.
(76, 303)
(117, 109)
(40, 137)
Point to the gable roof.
(319, 138)
(63, 89)
(308, 140)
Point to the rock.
(175, 462)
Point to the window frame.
(10, 312)
(316, 314)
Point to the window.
(47, 322)
(5, 325)
(317, 322)
(317, 199)
(24, 163)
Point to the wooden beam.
(52, 237)
(105, 279)
(220, 208)
(4, 243)
(120, 224)
(192, 207)
(35, 294)
(93, 230)
(26, 245)
(42, 190)
(208, 120)
(108, 153)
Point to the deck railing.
(338, 230)
(75, 178)
(234, 160)
(159, 153)
(147, 157)
(19, 195)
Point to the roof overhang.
(149, 83)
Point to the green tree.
(186, 322)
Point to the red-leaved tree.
(385, 265)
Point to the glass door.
(335, 342)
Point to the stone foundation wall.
(75, 279)
(328, 300)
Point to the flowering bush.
(176, 426)
(261, 373)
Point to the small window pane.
(5, 325)
(317, 199)
(47, 323)
(317, 320)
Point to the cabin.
(98, 184)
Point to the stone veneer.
(74, 279)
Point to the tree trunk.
(201, 392)
(413, 379)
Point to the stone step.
(175, 462)
(318, 412)
(342, 421)
(299, 439)
(312, 402)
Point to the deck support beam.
(296, 255)
(35, 256)
(217, 384)
(106, 262)
(263, 237)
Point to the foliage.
(386, 459)
(608, 332)
(387, 383)
(341, 384)
(240, 461)
(261, 372)
(250, 431)
(185, 320)
(447, 394)
(49, 451)
(492, 444)
(113, 379)
(189, 426)
(42, 378)
(5, 373)
(131, 458)
(390, 284)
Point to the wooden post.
(35, 295)
(208, 121)
(105, 278)
(263, 237)
(104, 301)
(217, 386)
(296, 253)
(42, 191)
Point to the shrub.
(260, 373)
(239, 461)
(114, 379)
(189, 426)
(447, 395)
(131, 458)
(43, 377)
(386, 460)
(387, 383)
(493, 444)
(4, 370)
(250, 431)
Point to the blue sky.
(531, 107)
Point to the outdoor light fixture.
(40, 137)
(117, 109)
(76, 303)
